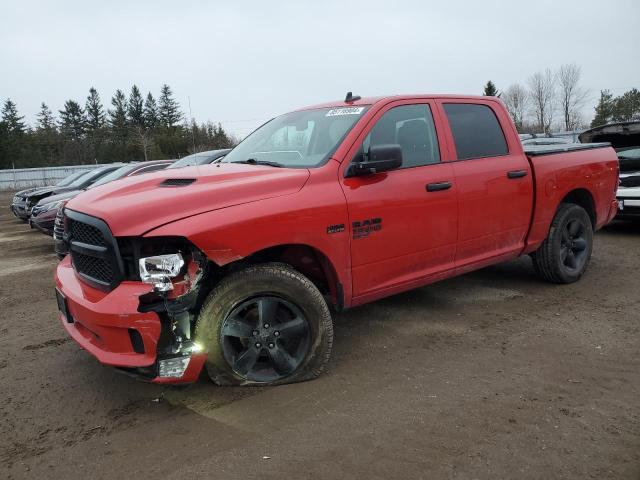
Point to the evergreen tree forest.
(130, 126)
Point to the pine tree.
(168, 109)
(604, 109)
(627, 106)
(118, 116)
(46, 121)
(94, 111)
(150, 112)
(73, 122)
(490, 89)
(45, 135)
(13, 123)
(12, 130)
(135, 109)
(220, 138)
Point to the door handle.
(516, 174)
(436, 187)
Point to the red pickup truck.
(232, 266)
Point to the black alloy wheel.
(573, 245)
(265, 339)
(564, 255)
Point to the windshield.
(81, 179)
(116, 174)
(67, 180)
(297, 139)
(194, 159)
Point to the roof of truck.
(371, 100)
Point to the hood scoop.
(177, 182)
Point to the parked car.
(230, 267)
(625, 138)
(200, 158)
(43, 215)
(80, 183)
(19, 203)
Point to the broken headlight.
(160, 269)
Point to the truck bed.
(534, 150)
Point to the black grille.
(630, 181)
(177, 182)
(96, 268)
(58, 225)
(94, 251)
(85, 233)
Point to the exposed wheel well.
(309, 261)
(584, 199)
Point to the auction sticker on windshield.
(344, 111)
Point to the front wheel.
(563, 257)
(265, 325)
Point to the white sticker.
(334, 112)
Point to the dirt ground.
(490, 375)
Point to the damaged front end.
(181, 276)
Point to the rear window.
(476, 131)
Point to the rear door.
(493, 178)
(403, 223)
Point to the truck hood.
(133, 206)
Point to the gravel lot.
(490, 375)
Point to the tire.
(298, 353)
(564, 255)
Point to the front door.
(403, 222)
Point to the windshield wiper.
(254, 161)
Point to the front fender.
(230, 234)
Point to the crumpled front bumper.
(44, 222)
(20, 210)
(102, 324)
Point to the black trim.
(109, 252)
(438, 186)
(516, 174)
(177, 182)
(136, 340)
(339, 297)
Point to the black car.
(80, 183)
(200, 158)
(19, 203)
(625, 138)
(46, 215)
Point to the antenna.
(350, 98)
(193, 135)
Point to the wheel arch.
(308, 260)
(583, 198)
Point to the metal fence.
(16, 179)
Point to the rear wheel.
(265, 325)
(564, 255)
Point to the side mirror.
(382, 158)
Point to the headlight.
(50, 206)
(160, 269)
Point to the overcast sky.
(242, 62)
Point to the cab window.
(476, 131)
(411, 127)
